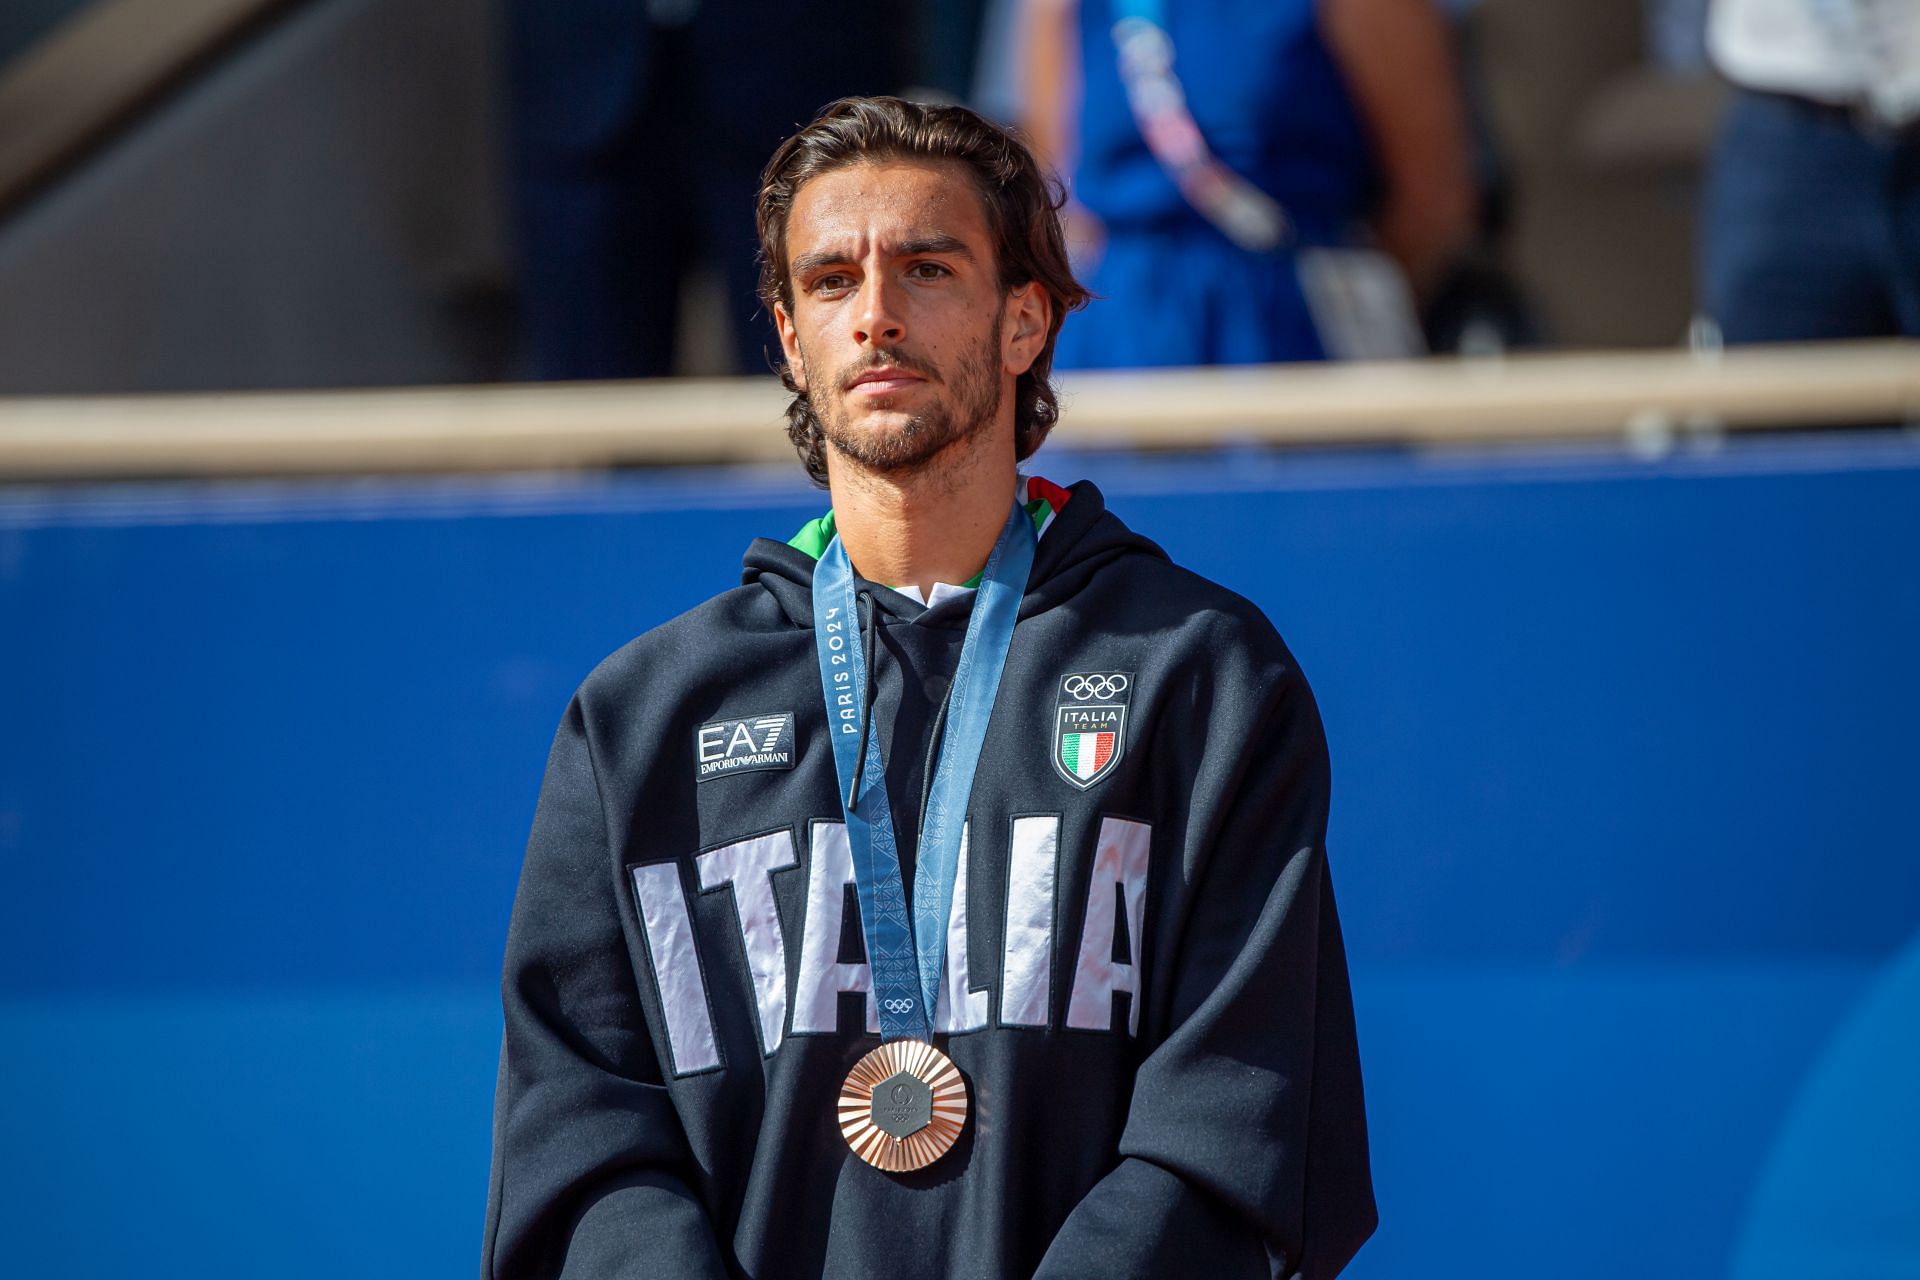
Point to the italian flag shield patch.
(1090, 725)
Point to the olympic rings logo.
(897, 1004)
(1095, 686)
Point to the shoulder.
(714, 639)
(1119, 581)
(1153, 593)
(1216, 658)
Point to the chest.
(752, 935)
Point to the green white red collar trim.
(1042, 498)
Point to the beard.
(972, 401)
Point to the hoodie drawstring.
(933, 753)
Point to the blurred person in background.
(1811, 226)
(638, 131)
(1252, 180)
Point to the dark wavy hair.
(1023, 216)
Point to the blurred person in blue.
(638, 130)
(1811, 226)
(1252, 180)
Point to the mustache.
(892, 360)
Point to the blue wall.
(1625, 834)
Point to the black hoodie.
(1146, 989)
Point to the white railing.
(1439, 402)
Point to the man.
(1811, 222)
(1052, 828)
(637, 132)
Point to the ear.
(790, 344)
(1028, 315)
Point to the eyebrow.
(950, 246)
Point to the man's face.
(898, 329)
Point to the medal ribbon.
(906, 977)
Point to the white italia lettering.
(1119, 865)
(957, 1008)
(1026, 963)
(1117, 887)
(748, 866)
(676, 967)
(822, 978)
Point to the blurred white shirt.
(1862, 53)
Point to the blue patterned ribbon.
(906, 977)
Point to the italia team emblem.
(1090, 726)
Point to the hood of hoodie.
(1078, 536)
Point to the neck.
(936, 524)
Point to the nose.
(879, 320)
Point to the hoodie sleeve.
(1245, 1148)
(591, 1172)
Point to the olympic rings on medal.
(897, 1004)
(1081, 688)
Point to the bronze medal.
(903, 1106)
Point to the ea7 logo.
(739, 746)
(1090, 725)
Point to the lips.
(878, 381)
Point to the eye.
(831, 282)
(928, 271)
